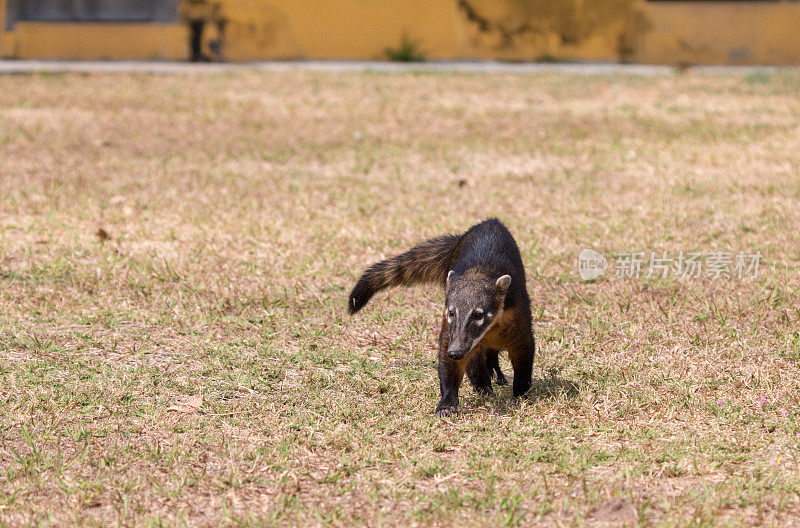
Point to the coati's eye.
(450, 313)
(478, 314)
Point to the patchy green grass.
(192, 364)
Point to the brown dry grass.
(237, 210)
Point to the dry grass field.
(176, 253)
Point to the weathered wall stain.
(240, 30)
(543, 28)
(571, 20)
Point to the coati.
(487, 308)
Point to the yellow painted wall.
(596, 30)
(6, 39)
(722, 33)
(96, 41)
(349, 29)
(363, 29)
(92, 41)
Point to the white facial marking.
(486, 329)
(479, 322)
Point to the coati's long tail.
(426, 262)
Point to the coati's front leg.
(451, 372)
(521, 352)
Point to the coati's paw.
(501, 379)
(445, 410)
(521, 388)
(485, 391)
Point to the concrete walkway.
(156, 67)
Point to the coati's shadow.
(548, 388)
(552, 387)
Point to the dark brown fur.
(427, 262)
(487, 308)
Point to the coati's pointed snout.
(457, 353)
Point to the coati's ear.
(503, 283)
(449, 277)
